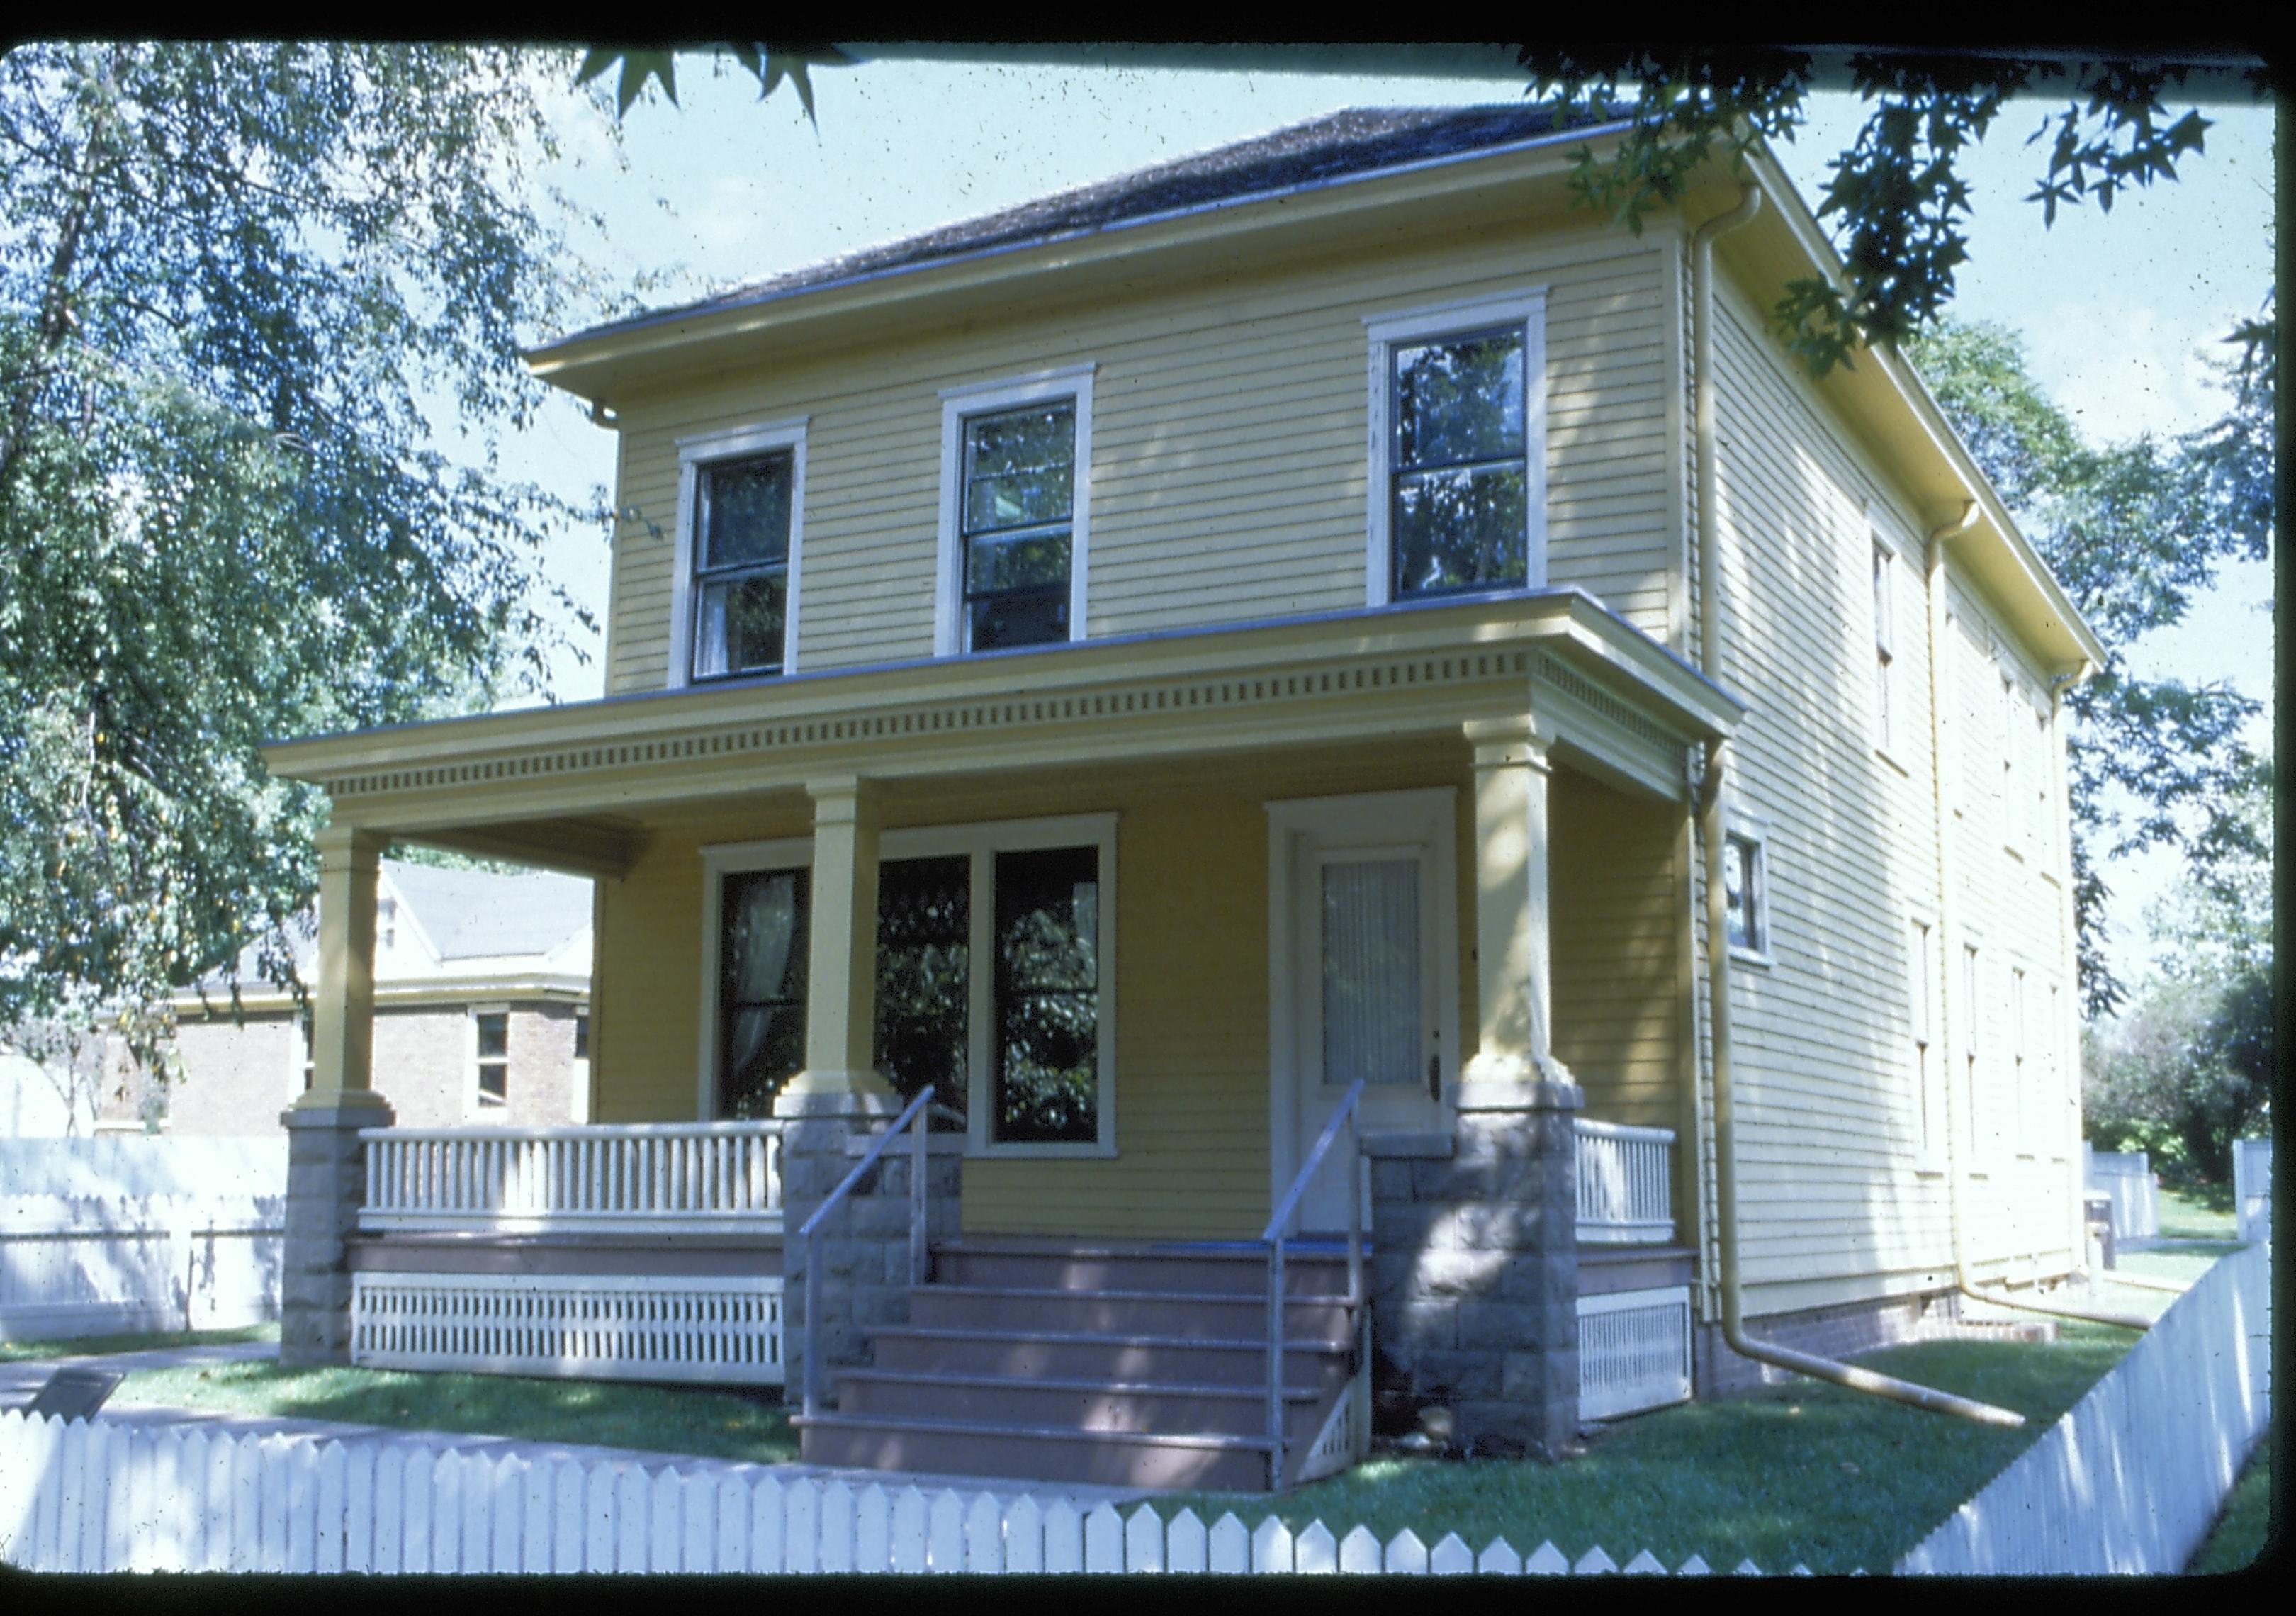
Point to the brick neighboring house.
(482, 994)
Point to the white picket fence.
(2132, 1479)
(122, 1235)
(2251, 1188)
(94, 1496)
(2125, 1178)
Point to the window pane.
(1012, 563)
(494, 1082)
(1019, 467)
(745, 513)
(924, 908)
(1047, 995)
(739, 625)
(1035, 616)
(1737, 888)
(1370, 973)
(494, 1036)
(1459, 399)
(760, 987)
(1460, 529)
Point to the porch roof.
(568, 787)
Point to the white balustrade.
(1626, 1194)
(649, 1178)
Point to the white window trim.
(474, 1108)
(984, 398)
(1931, 1094)
(981, 843)
(1527, 309)
(735, 859)
(1745, 825)
(711, 448)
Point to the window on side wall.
(1015, 516)
(1745, 887)
(741, 526)
(1458, 450)
(1885, 696)
(994, 977)
(1922, 997)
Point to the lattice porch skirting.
(1633, 1352)
(680, 1327)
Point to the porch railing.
(1278, 1226)
(690, 1178)
(1626, 1194)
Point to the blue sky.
(2118, 314)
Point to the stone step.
(1070, 1355)
(1215, 1314)
(1144, 1459)
(1084, 1404)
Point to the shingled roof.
(1358, 141)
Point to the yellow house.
(1313, 688)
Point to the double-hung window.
(1885, 694)
(490, 1059)
(758, 942)
(1746, 894)
(740, 525)
(1015, 512)
(1458, 450)
(995, 979)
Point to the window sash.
(715, 588)
(1506, 564)
(1033, 612)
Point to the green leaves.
(1897, 203)
(237, 285)
(769, 64)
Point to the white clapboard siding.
(708, 1328)
(645, 1178)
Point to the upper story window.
(490, 1052)
(1458, 455)
(1016, 458)
(1886, 719)
(741, 524)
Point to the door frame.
(1428, 816)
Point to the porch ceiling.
(570, 786)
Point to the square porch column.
(839, 1095)
(326, 1178)
(1476, 1269)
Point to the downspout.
(1709, 808)
(1956, 1014)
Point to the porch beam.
(342, 1015)
(841, 1007)
(1512, 949)
(595, 851)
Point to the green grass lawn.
(708, 1423)
(18, 1352)
(2247, 1520)
(1804, 1473)
(2196, 1215)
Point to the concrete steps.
(1121, 1366)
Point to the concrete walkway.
(20, 1381)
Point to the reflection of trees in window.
(924, 910)
(762, 956)
(1046, 1065)
(1460, 519)
(1020, 482)
(740, 567)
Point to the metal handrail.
(1272, 1238)
(844, 1188)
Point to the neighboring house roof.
(446, 926)
(1356, 141)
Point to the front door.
(1368, 989)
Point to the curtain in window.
(1371, 971)
(761, 989)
